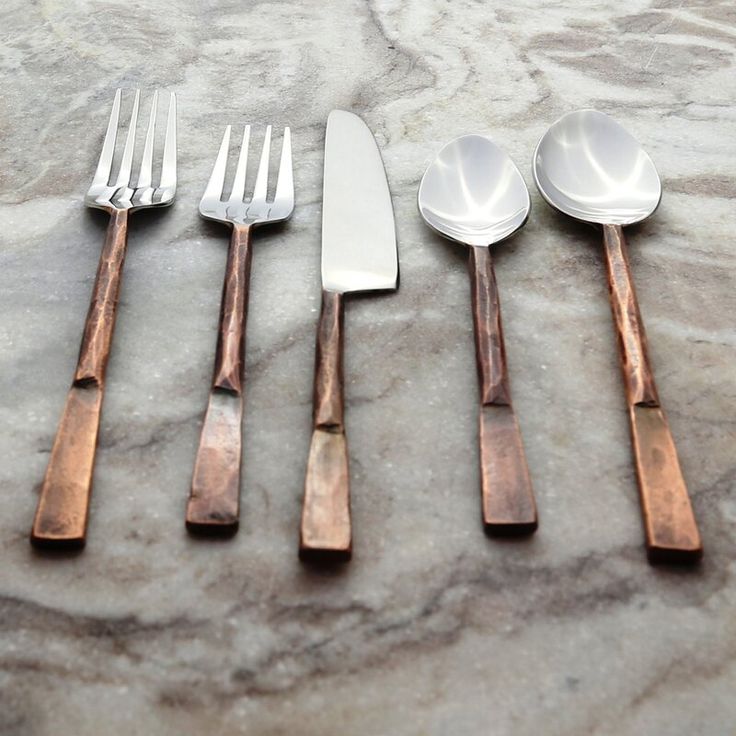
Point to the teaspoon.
(589, 167)
(473, 194)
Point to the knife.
(358, 255)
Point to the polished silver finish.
(258, 209)
(473, 193)
(120, 193)
(589, 167)
(358, 233)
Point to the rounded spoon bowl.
(473, 193)
(589, 167)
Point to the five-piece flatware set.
(586, 166)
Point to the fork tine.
(144, 178)
(284, 196)
(238, 191)
(217, 178)
(102, 174)
(168, 166)
(261, 187)
(127, 162)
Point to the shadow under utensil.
(321, 565)
(211, 532)
(57, 552)
(458, 251)
(62, 550)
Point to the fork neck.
(229, 360)
(100, 323)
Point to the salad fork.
(214, 499)
(63, 507)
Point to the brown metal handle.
(637, 371)
(214, 500)
(63, 506)
(506, 489)
(669, 523)
(325, 532)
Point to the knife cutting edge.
(359, 254)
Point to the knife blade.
(358, 254)
(358, 233)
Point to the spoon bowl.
(473, 193)
(589, 167)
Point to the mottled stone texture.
(432, 628)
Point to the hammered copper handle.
(325, 532)
(669, 523)
(63, 506)
(214, 500)
(506, 489)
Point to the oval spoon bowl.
(591, 168)
(473, 193)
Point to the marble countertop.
(433, 628)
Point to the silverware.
(587, 166)
(63, 506)
(358, 255)
(472, 193)
(214, 500)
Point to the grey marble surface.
(433, 628)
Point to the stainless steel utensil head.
(473, 193)
(589, 167)
(358, 234)
(258, 209)
(119, 193)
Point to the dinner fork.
(63, 505)
(214, 499)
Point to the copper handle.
(214, 500)
(506, 489)
(325, 531)
(669, 523)
(63, 506)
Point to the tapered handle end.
(325, 526)
(213, 508)
(672, 534)
(509, 508)
(63, 506)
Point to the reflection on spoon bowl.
(589, 167)
(473, 193)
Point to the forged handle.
(214, 499)
(325, 530)
(63, 505)
(669, 523)
(506, 489)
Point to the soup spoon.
(473, 194)
(587, 166)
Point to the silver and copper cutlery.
(214, 500)
(473, 194)
(590, 168)
(63, 506)
(358, 255)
